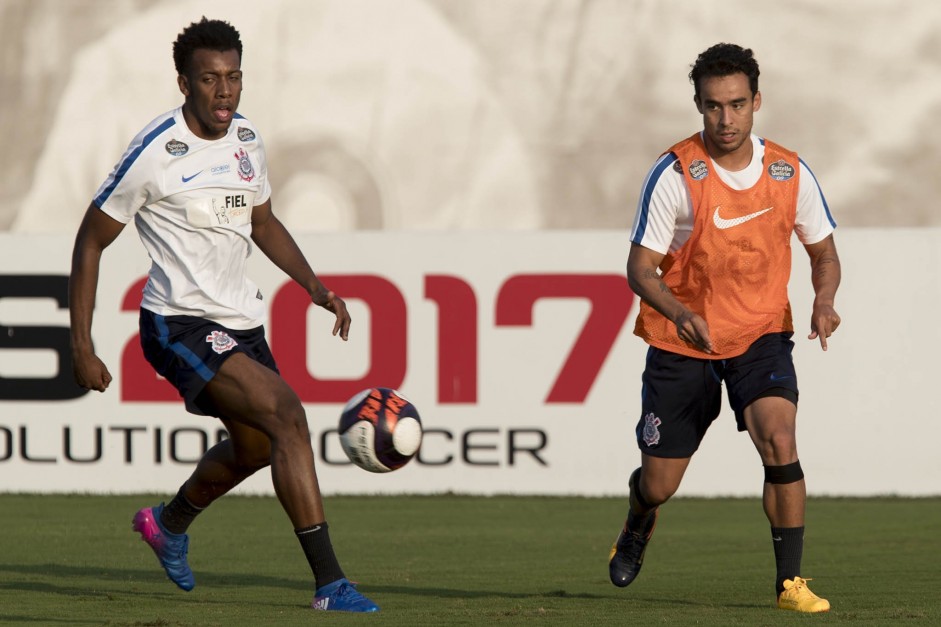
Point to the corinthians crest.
(245, 170)
(651, 431)
(221, 341)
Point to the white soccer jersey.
(664, 219)
(191, 200)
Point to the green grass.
(449, 560)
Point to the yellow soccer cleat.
(797, 597)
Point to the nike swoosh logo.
(775, 377)
(187, 179)
(778, 539)
(722, 223)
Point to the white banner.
(517, 349)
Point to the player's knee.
(777, 447)
(787, 473)
(254, 459)
(289, 420)
(251, 450)
(656, 493)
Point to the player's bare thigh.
(246, 392)
(772, 424)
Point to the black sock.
(315, 541)
(788, 549)
(638, 523)
(179, 513)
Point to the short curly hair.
(205, 34)
(725, 60)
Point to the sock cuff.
(188, 503)
(321, 526)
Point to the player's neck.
(731, 160)
(198, 128)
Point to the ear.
(698, 103)
(183, 84)
(756, 101)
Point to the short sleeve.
(663, 208)
(130, 185)
(813, 222)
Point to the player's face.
(728, 107)
(212, 86)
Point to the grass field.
(450, 560)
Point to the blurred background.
(474, 114)
(481, 141)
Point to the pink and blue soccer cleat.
(170, 548)
(342, 596)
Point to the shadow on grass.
(133, 580)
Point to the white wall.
(868, 419)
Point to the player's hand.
(692, 329)
(333, 303)
(90, 372)
(823, 323)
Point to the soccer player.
(710, 259)
(195, 182)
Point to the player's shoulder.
(162, 134)
(163, 123)
(771, 145)
(666, 171)
(245, 130)
(668, 161)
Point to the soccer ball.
(380, 430)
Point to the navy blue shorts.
(682, 396)
(188, 351)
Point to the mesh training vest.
(734, 269)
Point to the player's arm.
(825, 273)
(644, 279)
(96, 233)
(274, 240)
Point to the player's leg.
(765, 376)
(651, 485)
(177, 348)
(221, 468)
(250, 394)
(244, 452)
(680, 398)
(658, 479)
(771, 423)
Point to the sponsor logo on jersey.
(781, 170)
(177, 148)
(220, 169)
(698, 170)
(246, 134)
(677, 166)
(246, 171)
(230, 207)
(221, 342)
(651, 430)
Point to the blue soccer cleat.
(342, 596)
(170, 548)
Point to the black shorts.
(188, 351)
(682, 396)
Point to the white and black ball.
(380, 430)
